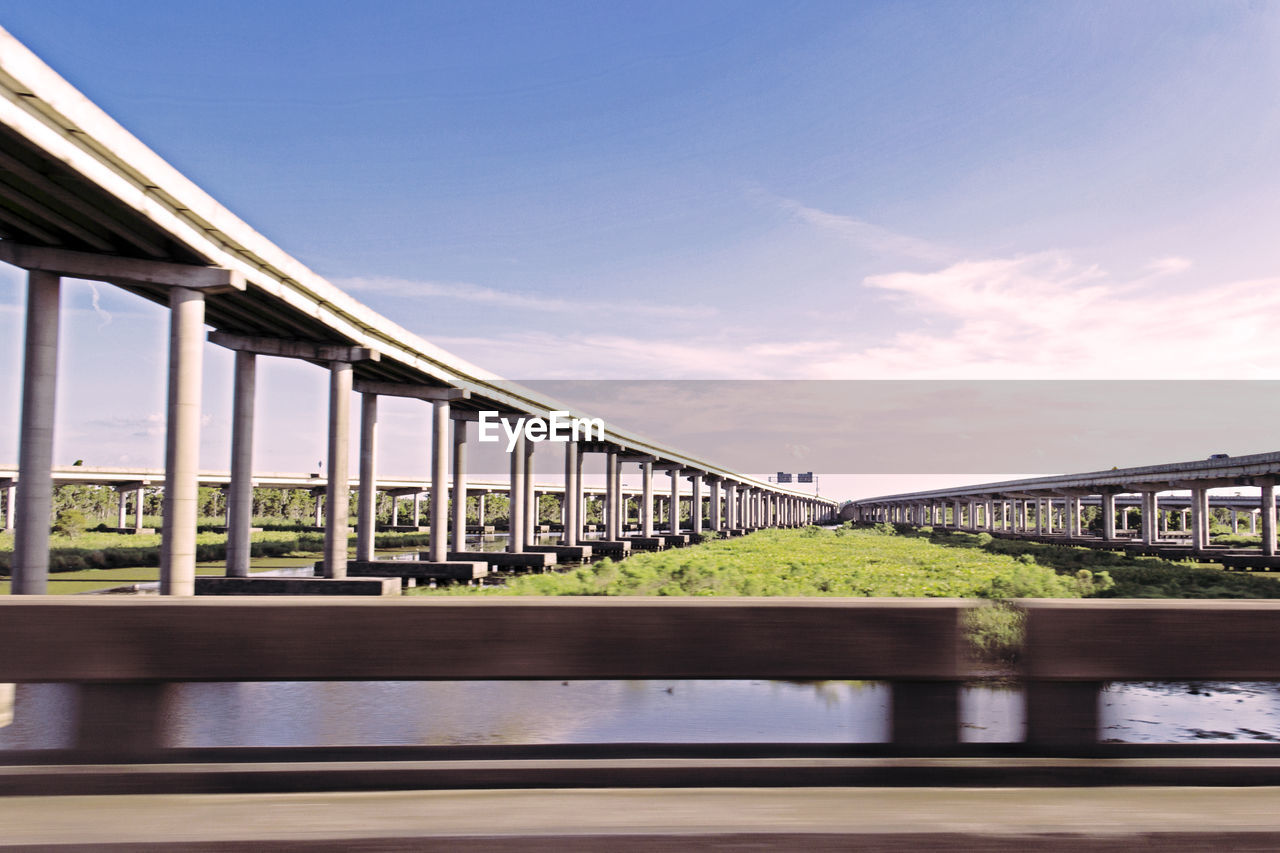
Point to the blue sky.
(704, 190)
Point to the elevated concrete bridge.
(82, 198)
(1051, 508)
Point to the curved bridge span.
(80, 197)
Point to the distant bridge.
(1050, 508)
(131, 483)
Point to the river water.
(493, 712)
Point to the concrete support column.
(695, 504)
(1150, 506)
(515, 497)
(395, 509)
(1108, 516)
(1268, 518)
(572, 503)
(1198, 522)
(122, 514)
(610, 495)
(35, 437)
(182, 443)
(31, 512)
(675, 500)
(240, 490)
(318, 494)
(1235, 521)
(579, 501)
(716, 518)
(1253, 522)
(139, 502)
(480, 513)
(646, 499)
(459, 485)
(367, 508)
(439, 548)
(417, 509)
(9, 491)
(530, 496)
(337, 503)
(622, 500)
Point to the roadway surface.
(722, 819)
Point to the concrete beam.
(429, 393)
(115, 270)
(284, 348)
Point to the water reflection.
(530, 712)
(1201, 712)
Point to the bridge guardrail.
(123, 655)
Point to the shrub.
(70, 522)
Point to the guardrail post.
(120, 719)
(1062, 713)
(925, 713)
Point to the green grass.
(809, 562)
(104, 551)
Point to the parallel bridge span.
(1051, 508)
(80, 197)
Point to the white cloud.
(1039, 316)
(868, 235)
(507, 299)
(1172, 265)
(1048, 316)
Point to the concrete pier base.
(616, 548)
(296, 586)
(675, 540)
(647, 543)
(480, 529)
(502, 559)
(562, 552)
(418, 569)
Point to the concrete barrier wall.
(123, 654)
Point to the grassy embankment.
(877, 561)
